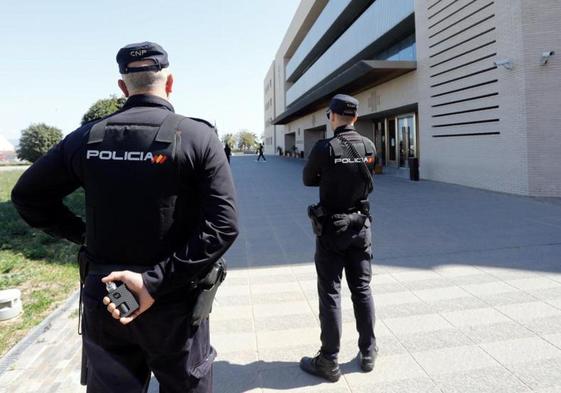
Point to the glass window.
(412, 141)
(377, 20)
(380, 141)
(392, 140)
(402, 141)
(407, 139)
(403, 50)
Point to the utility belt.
(319, 216)
(203, 286)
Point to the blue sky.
(58, 56)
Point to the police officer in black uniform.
(342, 168)
(160, 212)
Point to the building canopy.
(361, 76)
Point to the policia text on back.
(342, 167)
(160, 214)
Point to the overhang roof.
(361, 76)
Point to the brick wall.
(471, 113)
(541, 31)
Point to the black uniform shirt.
(199, 221)
(341, 185)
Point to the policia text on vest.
(160, 214)
(342, 168)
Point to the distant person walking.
(228, 151)
(260, 151)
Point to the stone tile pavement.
(473, 330)
(476, 330)
(467, 287)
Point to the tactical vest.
(132, 185)
(361, 154)
(364, 149)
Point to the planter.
(10, 304)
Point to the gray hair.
(139, 82)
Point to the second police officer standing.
(160, 213)
(342, 168)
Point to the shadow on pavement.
(239, 378)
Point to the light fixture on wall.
(506, 63)
(546, 56)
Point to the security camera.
(546, 56)
(506, 63)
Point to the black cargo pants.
(161, 340)
(350, 251)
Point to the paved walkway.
(467, 287)
(6, 168)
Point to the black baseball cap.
(343, 104)
(142, 51)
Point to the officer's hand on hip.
(135, 284)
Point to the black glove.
(343, 222)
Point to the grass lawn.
(43, 268)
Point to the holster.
(317, 215)
(83, 264)
(364, 207)
(205, 290)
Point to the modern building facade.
(472, 88)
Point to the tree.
(36, 140)
(104, 107)
(246, 140)
(229, 139)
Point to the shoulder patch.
(202, 121)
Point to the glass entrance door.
(391, 143)
(407, 139)
(380, 141)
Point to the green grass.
(43, 268)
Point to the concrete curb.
(13, 354)
(8, 168)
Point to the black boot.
(367, 360)
(322, 367)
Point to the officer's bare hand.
(341, 222)
(135, 284)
